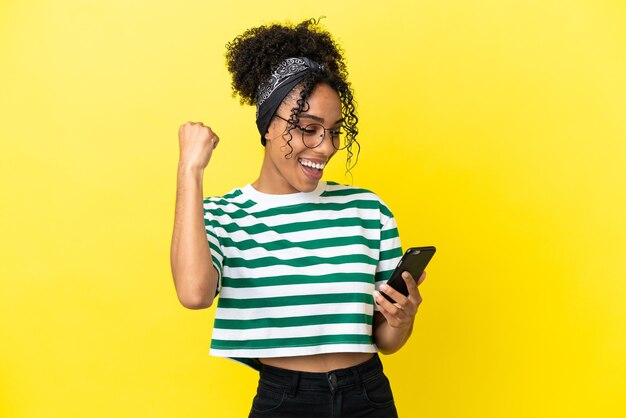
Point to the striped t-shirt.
(297, 271)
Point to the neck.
(270, 180)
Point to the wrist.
(189, 168)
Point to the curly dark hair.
(252, 56)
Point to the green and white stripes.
(297, 271)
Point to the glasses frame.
(303, 128)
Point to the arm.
(195, 278)
(393, 323)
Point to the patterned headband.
(271, 94)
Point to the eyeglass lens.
(313, 135)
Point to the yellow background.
(494, 129)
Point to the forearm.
(194, 275)
(389, 339)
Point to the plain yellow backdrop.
(495, 130)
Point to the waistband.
(332, 380)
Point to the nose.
(326, 146)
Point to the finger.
(387, 308)
(379, 301)
(210, 131)
(411, 285)
(415, 298)
(392, 313)
(393, 293)
(422, 278)
(184, 126)
(414, 293)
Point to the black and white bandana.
(272, 93)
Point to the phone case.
(414, 261)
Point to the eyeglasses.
(313, 134)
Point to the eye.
(313, 130)
(307, 130)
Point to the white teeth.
(311, 164)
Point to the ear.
(272, 131)
(266, 139)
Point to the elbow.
(386, 351)
(191, 301)
(195, 295)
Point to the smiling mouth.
(311, 164)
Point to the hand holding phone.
(414, 261)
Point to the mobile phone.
(414, 260)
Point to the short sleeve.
(211, 226)
(390, 248)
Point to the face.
(299, 169)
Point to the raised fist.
(196, 142)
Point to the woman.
(298, 262)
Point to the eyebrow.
(317, 118)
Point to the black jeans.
(359, 391)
